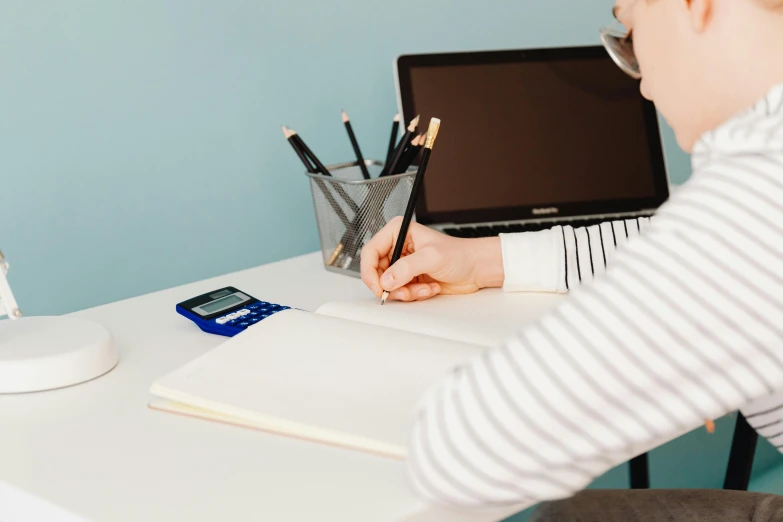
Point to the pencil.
(432, 134)
(390, 167)
(393, 138)
(410, 154)
(422, 139)
(288, 133)
(406, 155)
(355, 145)
(320, 167)
(295, 141)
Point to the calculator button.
(253, 314)
(222, 320)
(233, 316)
(254, 306)
(243, 313)
(243, 324)
(254, 320)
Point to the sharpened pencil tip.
(397, 117)
(414, 124)
(288, 132)
(384, 297)
(345, 117)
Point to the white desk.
(96, 448)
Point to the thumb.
(402, 272)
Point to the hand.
(431, 263)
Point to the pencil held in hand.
(432, 134)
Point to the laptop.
(531, 139)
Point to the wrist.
(488, 262)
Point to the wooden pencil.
(292, 136)
(288, 133)
(410, 155)
(355, 144)
(393, 138)
(321, 168)
(432, 134)
(404, 142)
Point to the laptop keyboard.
(530, 226)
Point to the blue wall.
(137, 138)
(131, 132)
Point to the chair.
(738, 471)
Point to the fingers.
(415, 292)
(375, 259)
(424, 261)
(376, 253)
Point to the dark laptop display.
(533, 134)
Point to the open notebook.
(350, 374)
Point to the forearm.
(563, 257)
(489, 268)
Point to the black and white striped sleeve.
(564, 257)
(686, 325)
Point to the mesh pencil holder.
(350, 210)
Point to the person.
(682, 319)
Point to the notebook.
(349, 375)
(20, 506)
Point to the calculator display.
(220, 304)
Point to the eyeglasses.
(619, 45)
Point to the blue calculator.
(227, 311)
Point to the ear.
(700, 13)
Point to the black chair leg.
(743, 450)
(640, 472)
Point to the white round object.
(44, 353)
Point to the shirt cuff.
(533, 262)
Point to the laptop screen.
(528, 134)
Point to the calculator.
(227, 311)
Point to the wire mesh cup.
(350, 210)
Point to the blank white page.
(19, 506)
(320, 378)
(486, 318)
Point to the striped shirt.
(682, 324)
